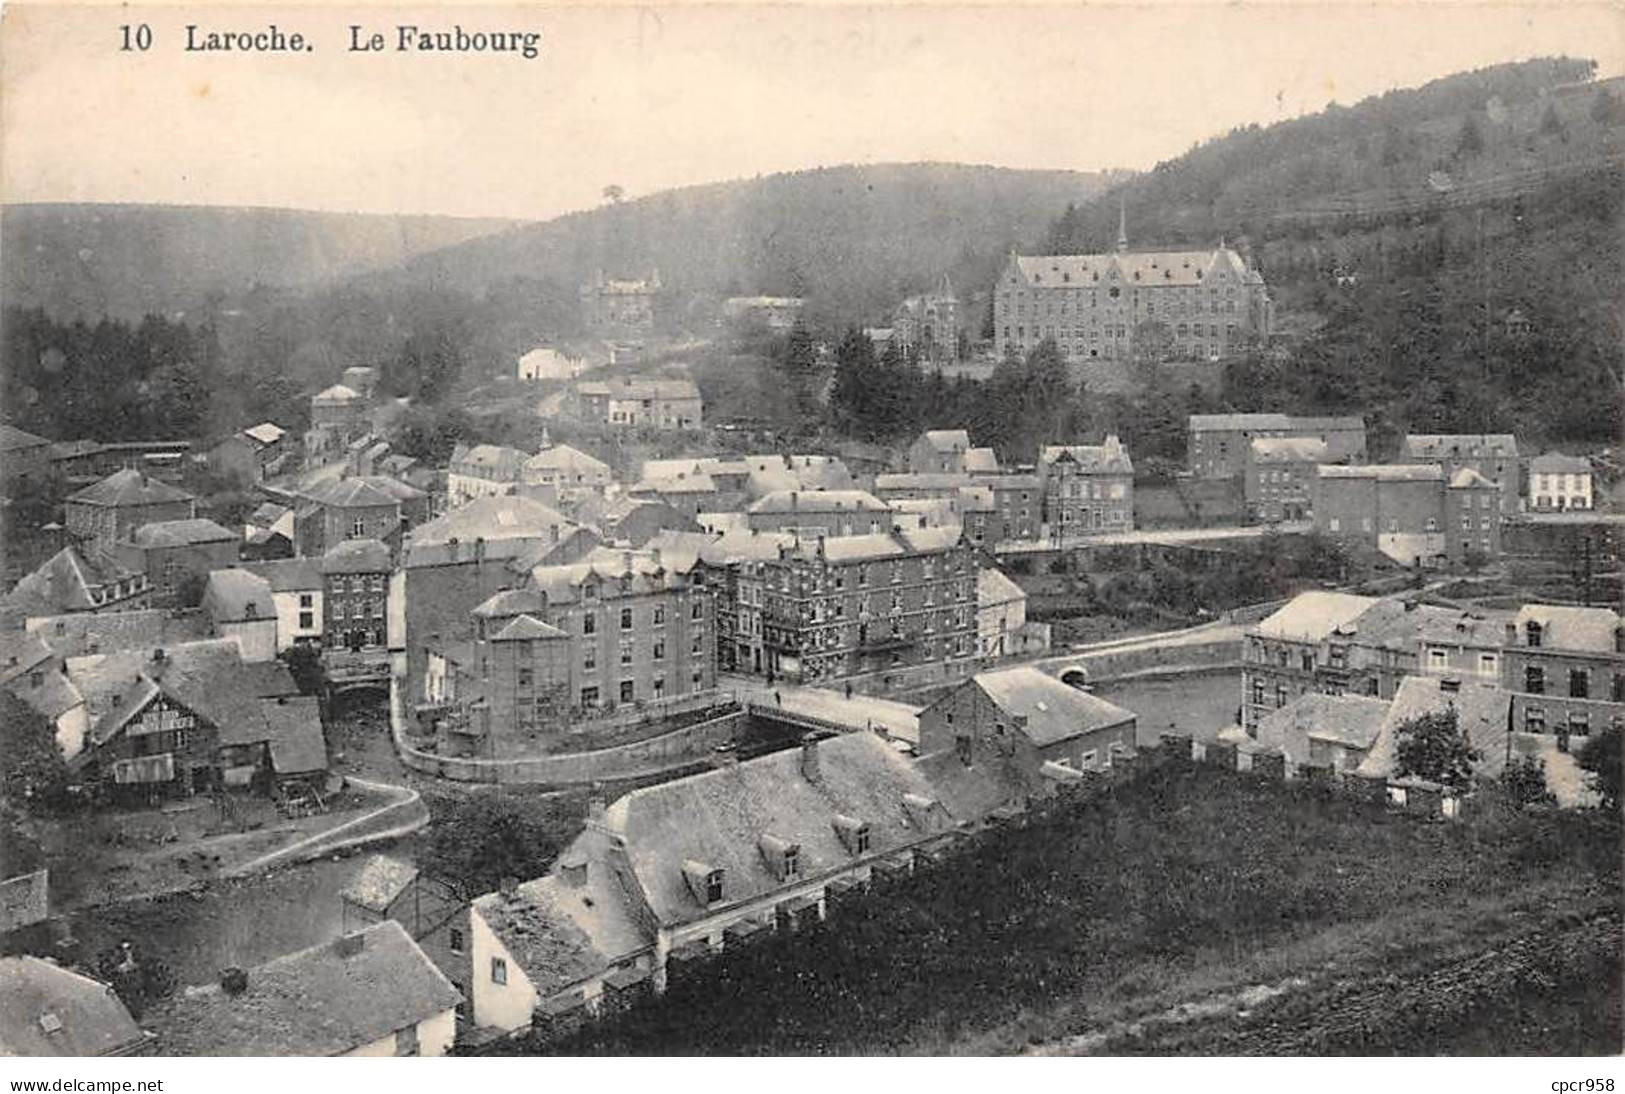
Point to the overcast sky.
(653, 99)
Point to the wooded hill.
(853, 240)
(1401, 235)
(87, 261)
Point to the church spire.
(1122, 226)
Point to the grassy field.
(1184, 885)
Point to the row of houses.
(1561, 668)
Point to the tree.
(1525, 780)
(1606, 109)
(614, 193)
(1601, 758)
(480, 840)
(32, 771)
(136, 981)
(1551, 124)
(1469, 141)
(305, 666)
(1434, 747)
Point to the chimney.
(159, 656)
(597, 807)
(233, 981)
(453, 547)
(1512, 634)
(809, 758)
(793, 499)
(626, 561)
(509, 887)
(348, 945)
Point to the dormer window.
(1532, 633)
(704, 882)
(783, 858)
(853, 832)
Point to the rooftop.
(1383, 472)
(379, 883)
(1181, 268)
(1556, 463)
(51, 1011)
(1053, 711)
(1313, 616)
(1483, 711)
(129, 487)
(180, 533)
(1569, 628)
(819, 501)
(322, 1001)
(1200, 423)
(357, 556)
(1439, 445)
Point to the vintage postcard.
(811, 529)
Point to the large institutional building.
(1095, 306)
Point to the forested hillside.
(854, 240)
(124, 261)
(1407, 239)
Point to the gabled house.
(1031, 713)
(176, 554)
(106, 513)
(369, 993)
(939, 451)
(77, 581)
(194, 717)
(432, 912)
(690, 865)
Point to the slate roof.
(539, 932)
(563, 457)
(51, 1011)
(357, 491)
(819, 501)
(1441, 445)
(526, 628)
(510, 602)
(981, 461)
(880, 545)
(719, 818)
(381, 881)
(25, 900)
(921, 480)
(633, 388)
(1054, 711)
(357, 556)
(231, 593)
(337, 394)
(993, 587)
(1227, 423)
(293, 730)
(1387, 472)
(288, 575)
(1350, 720)
(180, 533)
(316, 1002)
(13, 439)
(1180, 268)
(1569, 628)
(129, 487)
(683, 483)
(1287, 449)
(268, 514)
(489, 458)
(1109, 458)
(1555, 463)
(493, 519)
(1313, 616)
(62, 583)
(266, 433)
(947, 440)
(1482, 710)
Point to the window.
(1579, 723)
(307, 600)
(1258, 692)
(454, 940)
(589, 697)
(626, 651)
(660, 651)
(659, 616)
(358, 529)
(1280, 695)
(713, 887)
(1438, 659)
(1307, 661)
(1532, 634)
(1579, 684)
(626, 619)
(628, 691)
(1488, 664)
(307, 620)
(527, 678)
(697, 611)
(792, 862)
(1534, 680)
(499, 971)
(589, 624)
(589, 659)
